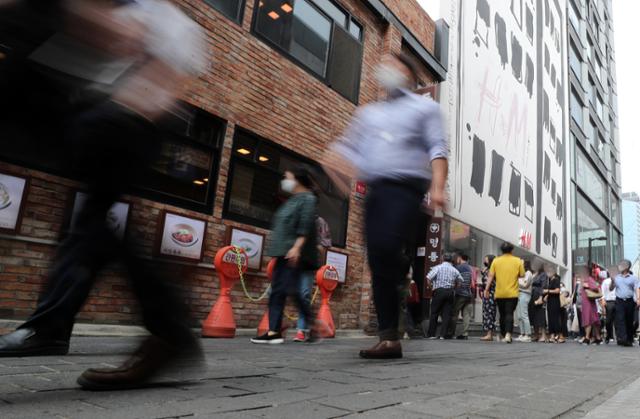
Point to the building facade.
(282, 81)
(631, 223)
(594, 143)
(506, 104)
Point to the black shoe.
(462, 337)
(267, 339)
(26, 342)
(151, 359)
(387, 349)
(626, 344)
(448, 337)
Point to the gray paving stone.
(307, 410)
(503, 411)
(454, 405)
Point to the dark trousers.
(506, 308)
(441, 305)
(624, 320)
(286, 281)
(611, 318)
(113, 146)
(391, 215)
(461, 304)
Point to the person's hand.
(437, 199)
(486, 294)
(293, 256)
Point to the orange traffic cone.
(231, 263)
(263, 326)
(327, 280)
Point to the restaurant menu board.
(182, 237)
(12, 193)
(339, 261)
(252, 243)
(117, 216)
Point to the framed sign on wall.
(181, 237)
(13, 190)
(252, 243)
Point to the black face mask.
(486, 264)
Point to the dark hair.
(491, 258)
(303, 176)
(447, 257)
(626, 262)
(464, 257)
(584, 269)
(541, 267)
(527, 266)
(506, 247)
(409, 62)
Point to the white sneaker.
(507, 338)
(525, 339)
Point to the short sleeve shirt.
(506, 270)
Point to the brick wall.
(416, 20)
(251, 86)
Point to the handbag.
(593, 295)
(564, 300)
(414, 297)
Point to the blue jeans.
(286, 281)
(306, 285)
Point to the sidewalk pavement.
(436, 379)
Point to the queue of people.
(599, 308)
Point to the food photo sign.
(252, 243)
(117, 216)
(182, 237)
(339, 261)
(12, 192)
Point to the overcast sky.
(627, 32)
(627, 53)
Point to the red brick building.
(283, 80)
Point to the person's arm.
(437, 144)
(342, 158)
(612, 286)
(490, 278)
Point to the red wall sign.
(361, 188)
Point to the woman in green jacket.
(293, 243)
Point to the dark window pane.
(311, 35)
(182, 170)
(356, 30)
(229, 8)
(302, 31)
(332, 11)
(245, 146)
(345, 67)
(253, 192)
(254, 187)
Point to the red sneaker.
(300, 336)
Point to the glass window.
(600, 107)
(253, 189)
(576, 109)
(589, 48)
(573, 17)
(338, 16)
(300, 30)
(592, 134)
(184, 174)
(590, 224)
(230, 8)
(616, 247)
(574, 62)
(355, 29)
(589, 180)
(312, 33)
(615, 210)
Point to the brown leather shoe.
(153, 355)
(387, 349)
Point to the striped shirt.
(444, 276)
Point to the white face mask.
(621, 268)
(390, 77)
(288, 185)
